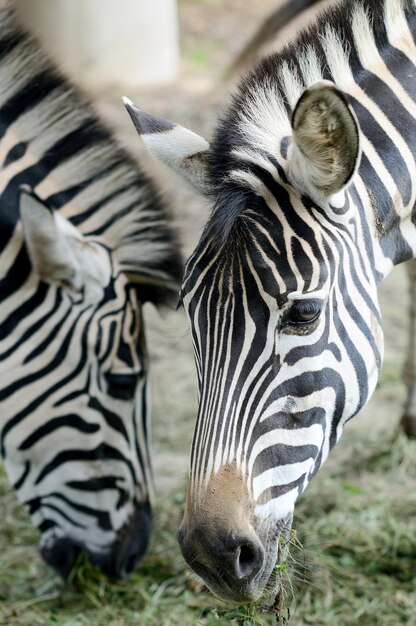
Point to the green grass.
(357, 563)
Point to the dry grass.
(354, 563)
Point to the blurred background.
(355, 562)
(103, 43)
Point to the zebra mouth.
(244, 591)
(61, 555)
(117, 560)
(240, 575)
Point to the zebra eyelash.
(301, 314)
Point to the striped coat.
(85, 240)
(312, 173)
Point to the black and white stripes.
(312, 172)
(84, 241)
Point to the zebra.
(312, 177)
(268, 32)
(85, 240)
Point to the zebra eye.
(302, 312)
(121, 386)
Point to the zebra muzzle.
(120, 559)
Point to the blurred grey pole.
(108, 43)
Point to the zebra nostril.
(234, 559)
(245, 558)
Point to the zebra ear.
(58, 251)
(179, 148)
(325, 152)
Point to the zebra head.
(282, 302)
(74, 389)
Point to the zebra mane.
(256, 125)
(91, 179)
